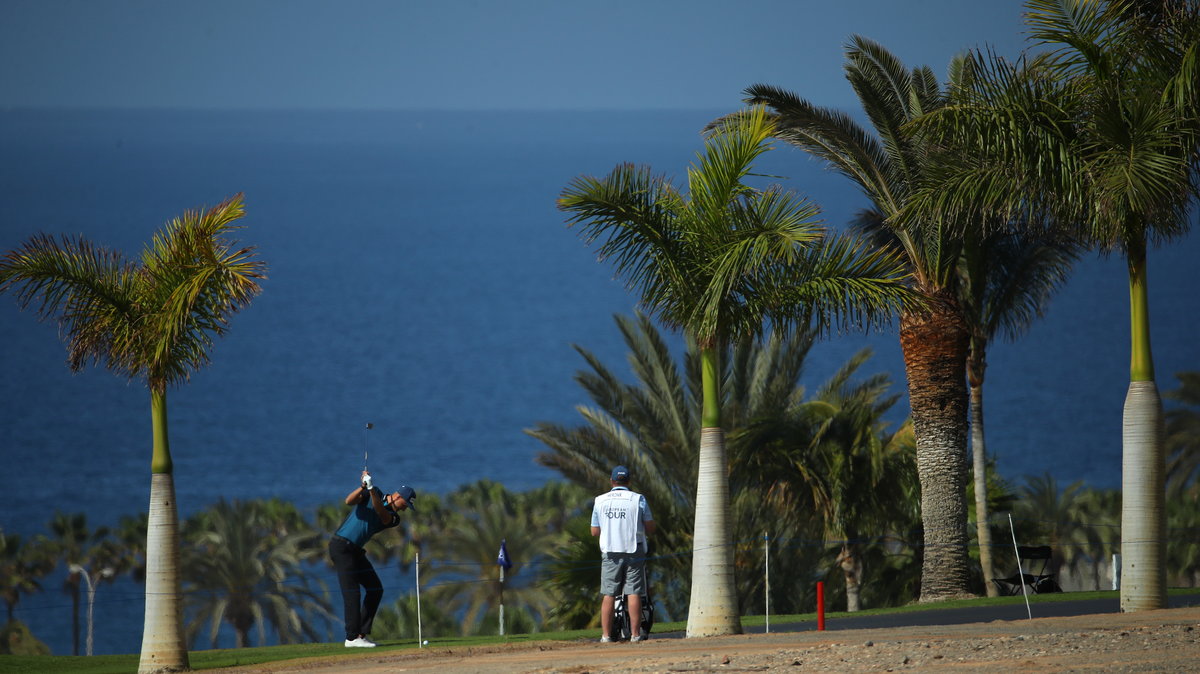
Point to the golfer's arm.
(353, 496)
(385, 515)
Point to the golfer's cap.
(409, 495)
(620, 474)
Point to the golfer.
(373, 512)
(622, 520)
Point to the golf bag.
(621, 628)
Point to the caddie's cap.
(620, 474)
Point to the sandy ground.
(1150, 641)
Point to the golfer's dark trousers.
(355, 571)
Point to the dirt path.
(1150, 641)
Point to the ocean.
(422, 280)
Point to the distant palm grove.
(980, 194)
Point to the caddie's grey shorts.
(623, 573)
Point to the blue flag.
(503, 559)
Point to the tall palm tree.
(1099, 131)
(720, 263)
(934, 336)
(1007, 280)
(244, 565)
(152, 321)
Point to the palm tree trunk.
(163, 645)
(713, 609)
(934, 344)
(975, 369)
(851, 563)
(74, 589)
(1143, 462)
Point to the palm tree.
(864, 470)
(130, 534)
(400, 620)
(1007, 280)
(152, 321)
(831, 455)
(1099, 131)
(1183, 434)
(22, 565)
(1183, 548)
(73, 542)
(462, 559)
(1059, 518)
(934, 336)
(719, 264)
(244, 565)
(571, 574)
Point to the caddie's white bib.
(617, 512)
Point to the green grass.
(234, 657)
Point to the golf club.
(369, 427)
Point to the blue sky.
(464, 54)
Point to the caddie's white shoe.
(361, 642)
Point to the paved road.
(959, 616)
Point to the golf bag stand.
(621, 628)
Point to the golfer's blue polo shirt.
(363, 523)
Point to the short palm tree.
(1100, 132)
(720, 263)
(22, 566)
(862, 469)
(244, 565)
(1058, 517)
(460, 562)
(934, 338)
(152, 321)
(1183, 434)
(401, 619)
(74, 541)
(130, 535)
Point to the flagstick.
(1020, 571)
(503, 562)
(417, 568)
(767, 579)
